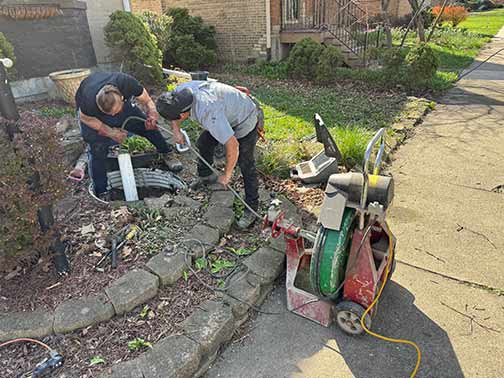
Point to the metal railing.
(342, 19)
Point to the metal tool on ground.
(322, 165)
(184, 147)
(52, 363)
(124, 235)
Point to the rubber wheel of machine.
(348, 315)
(330, 256)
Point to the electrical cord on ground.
(24, 339)
(385, 338)
(480, 64)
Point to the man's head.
(175, 105)
(110, 100)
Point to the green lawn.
(487, 23)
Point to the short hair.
(106, 98)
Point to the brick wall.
(397, 8)
(240, 25)
(98, 12)
(139, 6)
(57, 43)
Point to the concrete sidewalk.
(448, 221)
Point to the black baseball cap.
(171, 104)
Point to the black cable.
(479, 65)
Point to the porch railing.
(342, 19)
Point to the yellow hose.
(398, 341)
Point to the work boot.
(204, 180)
(247, 220)
(172, 163)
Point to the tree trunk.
(386, 22)
(419, 20)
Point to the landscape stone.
(266, 263)
(219, 217)
(184, 201)
(210, 326)
(208, 236)
(129, 369)
(132, 289)
(245, 291)
(32, 324)
(222, 198)
(82, 312)
(175, 356)
(157, 203)
(168, 268)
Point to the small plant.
(56, 112)
(452, 13)
(135, 46)
(144, 312)
(96, 360)
(138, 344)
(185, 275)
(221, 264)
(242, 251)
(7, 51)
(330, 59)
(303, 58)
(201, 263)
(137, 144)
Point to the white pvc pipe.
(127, 177)
(268, 24)
(126, 5)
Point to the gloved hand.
(152, 118)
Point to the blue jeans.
(99, 145)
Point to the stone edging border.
(204, 332)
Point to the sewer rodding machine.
(352, 254)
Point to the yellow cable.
(399, 341)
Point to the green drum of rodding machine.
(330, 256)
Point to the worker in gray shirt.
(228, 116)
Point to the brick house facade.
(250, 29)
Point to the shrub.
(393, 59)
(330, 59)
(192, 43)
(159, 26)
(422, 64)
(33, 176)
(453, 14)
(303, 58)
(135, 45)
(480, 5)
(270, 70)
(7, 51)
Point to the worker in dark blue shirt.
(104, 101)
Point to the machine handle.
(276, 229)
(379, 136)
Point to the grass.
(486, 23)
(352, 115)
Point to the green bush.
(159, 26)
(330, 59)
(33, 176)
(192, 44)
(392, 59)
(422, 64)
(269, 70)
(188, 54)
(135, 45)
(7, 51)
(304, 58)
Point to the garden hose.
(381, 337)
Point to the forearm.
(146, 101)
(232, 153)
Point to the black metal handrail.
(342, 19)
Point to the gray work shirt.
(221, 109)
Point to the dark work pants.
(99, 145)
(246, 161)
